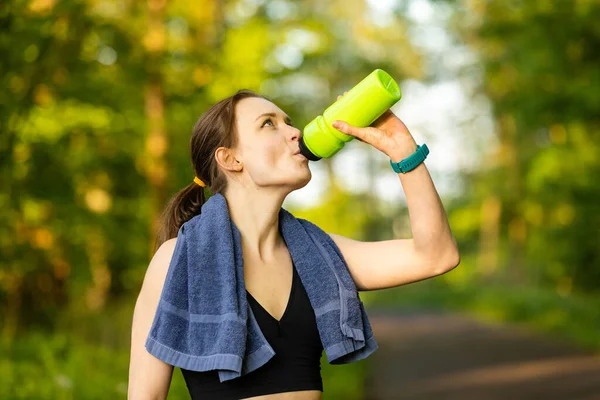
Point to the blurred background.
(98, 99)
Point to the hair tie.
(199, 182)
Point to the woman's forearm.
(431, 231)
(432, 237)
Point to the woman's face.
(268, 145)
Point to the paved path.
(441, 356)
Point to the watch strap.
(412, 161)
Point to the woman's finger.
(359, 133)
(340, 96)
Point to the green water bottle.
(362, 105)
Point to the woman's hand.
(387, 134)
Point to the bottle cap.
(305, 151)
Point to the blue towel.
(203, 320)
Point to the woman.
(246, 148)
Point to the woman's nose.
(294, 134)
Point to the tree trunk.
(156, 141)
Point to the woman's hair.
(215, 128)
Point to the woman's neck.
(256, 215)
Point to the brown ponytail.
(215, 128)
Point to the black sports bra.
(295, 366)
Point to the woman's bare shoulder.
(158, 267)
(164, 252)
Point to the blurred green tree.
(536, 197)
(98, 101)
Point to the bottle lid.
(305, 151)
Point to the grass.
(87, 358)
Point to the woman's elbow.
(145, 392)
(448, 260)
(453, 260)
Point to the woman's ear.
(227, 160)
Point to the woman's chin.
(303, 181)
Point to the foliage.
(533, 205)
(571, 319)
(95, 117)
(97, 106)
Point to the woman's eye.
(271, 121)
(267, 120)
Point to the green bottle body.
(360, 106)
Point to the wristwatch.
(411, 162)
